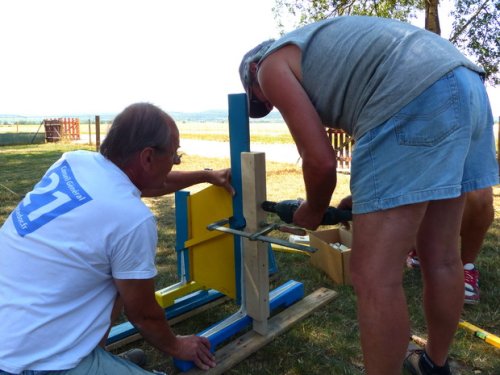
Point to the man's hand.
(195, 349)
(148, 317)
(346, 204)
(305, 217)
(221, 177)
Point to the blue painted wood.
(281, 297)
(182, 305)
(286, 294)
(239, 141)
(182, 233)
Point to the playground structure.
(221, 254)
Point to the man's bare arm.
(178, 180)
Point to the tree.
(476, 31)
(476, 23)
(432, 16)
(314, 10)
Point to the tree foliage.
(476, 31)
(306, 11)
(476, 24)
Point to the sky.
(98, 56)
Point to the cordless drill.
(285, 210)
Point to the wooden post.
(90, 133)
(255, 253)
(97, 132)
(498, 141)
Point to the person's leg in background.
(476, 220)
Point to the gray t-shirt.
(359, 71)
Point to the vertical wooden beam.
(498, 141)
(97, 132)
(90, 134)
(255, 253)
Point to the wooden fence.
(342, 143)
(67, 129)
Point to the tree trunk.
(432, 16)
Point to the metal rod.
(219, 225)
(265, 230)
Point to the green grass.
(327, 342)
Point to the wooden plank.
(255, 253)
(241, 348)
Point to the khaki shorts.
(98, 362)
(102, 362)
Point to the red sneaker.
(412, 260)
(471, 278)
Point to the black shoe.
(418, 363)
(136, 356)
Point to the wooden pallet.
(244, 346)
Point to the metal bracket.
(260, 235)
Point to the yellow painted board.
(202, 238)
(166, 297)
(211, 256)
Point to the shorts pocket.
(430, 117)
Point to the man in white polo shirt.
(81, 245)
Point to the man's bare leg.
(442, 271)
(381, 241)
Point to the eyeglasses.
(177, 157)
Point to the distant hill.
(205, 116)
(218, 116)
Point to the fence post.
(97, 132)
(90, 133)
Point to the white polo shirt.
(82, 226)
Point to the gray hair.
(138, 126)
